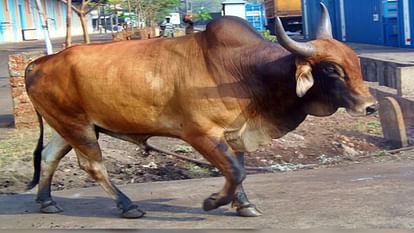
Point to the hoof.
(133, 212)
(50, 207)
(213, 202)
(209, 204)
(249, 211)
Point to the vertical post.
(112, 22)
(43, 20)
(342, 16)
(305, 19)
(105, 22)
(406, 20)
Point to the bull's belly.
(135, 122)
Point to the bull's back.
(159, 87)
(116, 86)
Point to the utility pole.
(43, 20)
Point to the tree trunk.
(68, 42)
(84, 25)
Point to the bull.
(225, 91)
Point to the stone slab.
(392, 122)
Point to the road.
(6, 105)
(378, 195)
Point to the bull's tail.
(37, 155)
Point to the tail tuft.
(37, 156)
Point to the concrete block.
(392, 122)
(381, 70)
(405, 81)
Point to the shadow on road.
(6, 121)
(102, 207)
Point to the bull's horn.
(305, 49)
(325, 27)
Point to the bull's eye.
(330, 70)
(334, 71)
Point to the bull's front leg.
(218, 153)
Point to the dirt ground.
(337, 140)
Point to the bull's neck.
(271, 71)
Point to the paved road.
(6, 105)
(376, 195)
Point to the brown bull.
(225, 91)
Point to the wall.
(24, 115)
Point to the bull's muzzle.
(363, 106)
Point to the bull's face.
(328, 73)
(337, 80)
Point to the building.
(380, 22)
(253, 13)
(19, 20)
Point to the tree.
(202, 15)
(209, 6)
(151, 11)
(82, 8)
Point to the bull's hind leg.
(242, 204)
(221, 156)
(54, 151)
(90, 160)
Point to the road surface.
(378, 195)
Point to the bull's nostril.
(371, 109)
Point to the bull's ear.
(304, 78)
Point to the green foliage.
(202, 15)
(266, 34)
(197, 172)
(209, 6)
(152, 10)
(371, 127)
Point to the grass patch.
(370, 127)
(197, 172)
(20, 144)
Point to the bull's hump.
(232, 31)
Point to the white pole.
(342, 16)
(44, 23)
(406, 20)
